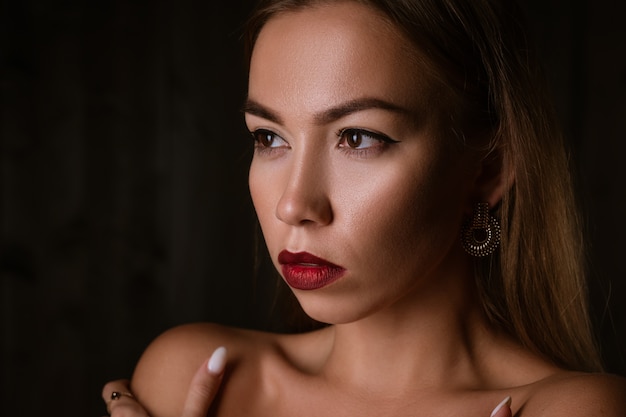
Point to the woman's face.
(358, 185)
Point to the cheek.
(406, 213)
(400, 217)
(265, 190)
(261, 193)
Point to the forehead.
(341, 50)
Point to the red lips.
(304, 271)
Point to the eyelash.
(342, 134)
(383, 140)
(265, 149)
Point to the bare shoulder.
(575, 394)
(165, 369)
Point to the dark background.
(123, 163)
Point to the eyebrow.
(330, 115)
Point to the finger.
(205, 384)
(120, 385)
(503, 409)
(120, 402)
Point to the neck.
(434, 337)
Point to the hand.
(503, 409)
(202, 389)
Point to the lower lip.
(306, 277)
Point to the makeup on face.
(326, 96)
(304, 271)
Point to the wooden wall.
(123, 198)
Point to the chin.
(329, 311)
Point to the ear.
(495, 178)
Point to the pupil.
(355, 140)
(266, 139)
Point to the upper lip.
(303, 258)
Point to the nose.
(305, 199)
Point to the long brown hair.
(533, 287)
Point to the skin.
(407, 337)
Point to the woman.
(383, 130)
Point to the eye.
(359, 139)
(266, 139)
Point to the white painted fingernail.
(506, 401)
(218, 361)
